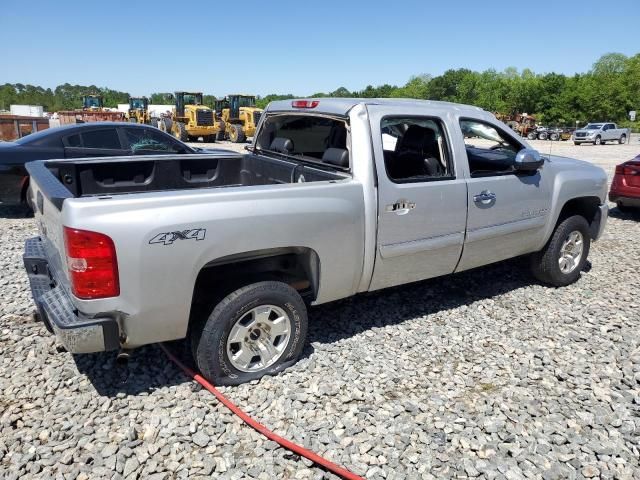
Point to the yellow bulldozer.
(239, 115)
(191, 119)
(139, 110)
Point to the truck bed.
(62, 179)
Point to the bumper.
(78, 334)
(202, 130)
(624, 200)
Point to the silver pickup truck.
(601, 133)
(333, 198)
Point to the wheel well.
(298, 267)
(588, 207)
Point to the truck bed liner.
(60, 179)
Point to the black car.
(98, 139)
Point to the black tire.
(577, 143)
(598, 141)
(180, 132)
(542, 136)
(209, 341)
(623, 208)
(220, 136)
(236, 134)
(623, 139)
(554, 137)
(531, 136)
(544, 264)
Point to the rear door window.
(106, 138)
(148, 140)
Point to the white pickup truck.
(334, 197)
(601, 133)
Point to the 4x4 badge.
(167, 238)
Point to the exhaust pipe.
(123, 357)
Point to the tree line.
(607, 92)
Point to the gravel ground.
(481, 374)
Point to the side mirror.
(528, 160)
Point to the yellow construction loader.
(139, 110)
(240, 116)
(191, 119)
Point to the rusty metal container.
(87, 116)
(13, 127)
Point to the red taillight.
(305, 103)
(92, 264)
(620, 169)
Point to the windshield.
(593, 126)
(192, 99)
(304, 135)
(137, 103)
(247, 101)
(91, 102)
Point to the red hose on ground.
(283, 442)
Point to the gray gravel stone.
(485, 374)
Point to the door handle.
(401, 207)
(485, 197)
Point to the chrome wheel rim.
(571, 252)
(258, 338)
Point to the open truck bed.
(61, 179)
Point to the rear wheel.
(554, 136)
(254, 331)
(623, 208)
(531, 135)
(180, 132)
(576, 143)
(236, 134)
(623, 139)
(542, 136)
(560, 262)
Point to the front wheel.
(254, 331)
(542, 136)
(560, 262)
(597, 141)
(531, 136)
(554, 136)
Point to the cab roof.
(342, 106)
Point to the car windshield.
(247, 101)
(593, 126)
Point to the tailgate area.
(78, 334)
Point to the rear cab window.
(314, 138)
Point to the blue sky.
(300, 47)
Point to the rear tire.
(623, 208)
(576, 143)
(531, 136)
(623, 139)
(268, 320)
(547, 264)
(180, 132)
(236, 134)
(554, 137)
(542, 136)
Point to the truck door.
(422, 199)
(508, 210)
